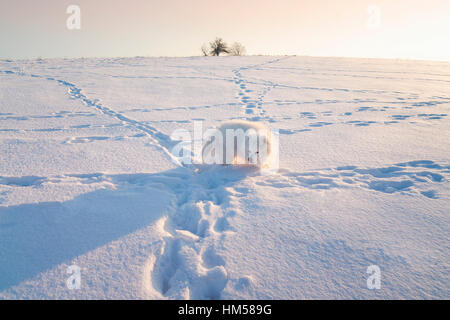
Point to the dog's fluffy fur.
(255, 149)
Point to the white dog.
(238, 142)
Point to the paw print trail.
(189, 264)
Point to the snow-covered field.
(86, 179)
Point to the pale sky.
(414, 29)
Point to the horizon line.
(201, 56)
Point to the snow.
(87, 178)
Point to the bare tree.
(218, 46)
(205, 50)
(237, 49)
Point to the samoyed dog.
(238, 142)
